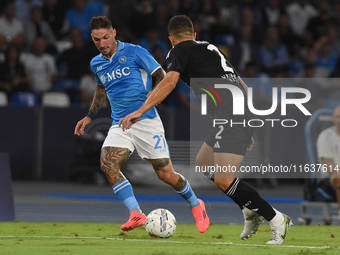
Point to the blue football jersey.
(126, 78)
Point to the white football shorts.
(146, 136)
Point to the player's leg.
(253, 206)
(249, 200)
(116, 149)
(224, 180)
(165, 172)
(205, 159)
(150, 143)
(230, 145)
(111, 160)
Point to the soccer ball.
(160, 223)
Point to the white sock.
(277, 220)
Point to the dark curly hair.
(100, 22)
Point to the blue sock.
(188, 194)
(125, 194)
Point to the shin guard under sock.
(244, 195)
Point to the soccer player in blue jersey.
(123, 73)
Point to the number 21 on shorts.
(160, 143)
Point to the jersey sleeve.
(174, 62)
(323, 145)
(146, 60)
(93, 69)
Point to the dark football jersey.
(199, 59)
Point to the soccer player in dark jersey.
(123, 74)
(192, 59)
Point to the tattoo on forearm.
(98, 98)
(111, 161)
(159, 75)
(160, 163)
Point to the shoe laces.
(274, 234)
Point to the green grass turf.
(104, 238)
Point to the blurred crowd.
(45, 45)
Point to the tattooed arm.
(98, 100)
(158, 75)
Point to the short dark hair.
(100, 22)
(180, 26)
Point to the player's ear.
(194, 35)
(114, 33)
(172, 40)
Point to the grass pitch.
(93, 238)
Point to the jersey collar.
(120, 45)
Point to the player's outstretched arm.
(98, 100)
(162, 90)
(158, 74)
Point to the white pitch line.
(170, 241)
(285, 246)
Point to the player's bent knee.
(113, 158)
(166, 176)
(200, 161)
(223, 183)
(164, 170)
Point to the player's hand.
(251, 144)
(79, 130)
(127, 122)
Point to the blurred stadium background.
(56, 175)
